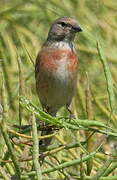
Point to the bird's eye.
(63, 24)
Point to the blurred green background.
(23, 29)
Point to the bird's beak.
(77, 28)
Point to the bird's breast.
(58, 60)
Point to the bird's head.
(64, 29)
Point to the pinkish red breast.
(50, 58)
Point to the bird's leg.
(71, 115)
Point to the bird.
(56, 66)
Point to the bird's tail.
(46, 142)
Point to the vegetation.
(85, 147)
